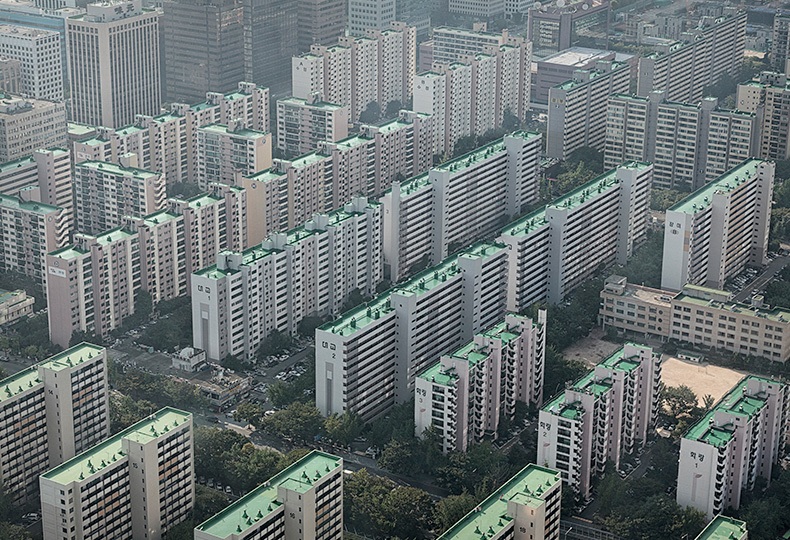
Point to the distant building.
(734, 444)
(304, 501)
(104, 48)
(271, 33)
(556, 26)
(716, 231)
(602, 417)
(145, 471)
(364, 15)
(320, 22)
(768, 97)
(462, 397)
(10, 75)
(39, 54)
(14, 305)
(486, 9)
(50, 412)
(27, 125)
(526, 506)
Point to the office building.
(560, 67)
(48, 172)
(92, 284)
(271, 33)
(577, 108)
(475, 94)
(51, 411)
(28, 231)
(485, 9)
(689, 145)
(451, 44)
(768, 96)
(724, 527)
(364, 15)
(145, 471)
(228, 151)
(15, 305)
(39, 54)
(367, 360)
(528, 504)
(683, 69)
(451, 206)
(320, 22)
(603, 416)
(378, 67)
(302, 502)
(105, 192)
(203, 44)
(273, 286)
(10, 75)
(326, 179)
(462, 397)
(27, 125)
(734, 444)
(716, 231)
(106, 45)
(555, 249)
(635, 310)
(555, 26)
(303, 123)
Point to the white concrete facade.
(27, 125)
(39, 54)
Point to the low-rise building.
(740, 440)
(724, 528)
(634, 309)
(145, 471)
(601, 417)
(222, 389)
(302, 502)
(462, 397)
(527, 506)
(14, 305)
(189, 359)
(50, 412)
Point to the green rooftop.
(113, 235)
(68, 252)
(484, 152)
(360, 317)
(776, 314)
(594, 74)
(262, 501)
(18, 382)
(438, 374)
(703, 197)
(619, 362)
(21, 163)
(159, 217)
(222, 129)
(16, 203)
(723, 528)
(490, 517)
(324, 105)
(114, 168)
(738, 402)
(91, 462)
(307, 159)
(76, 129)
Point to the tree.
(79, 336)
(708, 402)
(371, 114)
(450, 510)
(125, 411)
(251, 412)
(393, 108)
(402, 456)
(298, 421)
(766, 518)
(681, 401)
(363, 494)
(234, 363)
(275, 343)
(408, 512)
(13, 532)
(661, 199)
(343, 428)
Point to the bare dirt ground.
(591, 349)
(702, 378)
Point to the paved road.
(759, 283)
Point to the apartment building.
(326, 179)
(735, 443)
(768, 96)
(91, 285)
(273, 286)
(302, 502)
(434, 214)
(684, 68)
(462, 397)
(50, 412)
(528, 504)
(303, 123)
(145, 471)
(364, 15)
(724, 527)
(227, 151)
(106, 43)
(554, 27)
(201, 43)
(28, 231)
(15, 305)
(688, 144)
(368, 359)
(601, 417)
(27, 125)
(168, 143)
(38, 52)
(577, 108)
(716, 231)
(105, 192)
(46, 176)
(376, 67)
(474, 94)
(780, 44)
(555, 249)
(451, 44)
